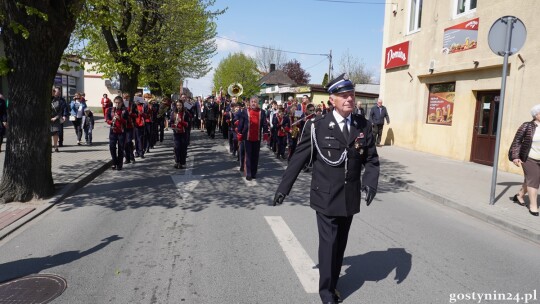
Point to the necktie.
(345, 129)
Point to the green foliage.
(240, 68)
(164, 41)
(325, 79)
(4, 66)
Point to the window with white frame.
(464, 6)
(415, 15)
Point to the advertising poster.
(441, 108)
(461, 37)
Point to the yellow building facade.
(441, 82)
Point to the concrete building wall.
(405, 90)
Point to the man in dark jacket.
(377, 116)
(342, 144)
(211, 114)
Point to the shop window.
(415, 15)
(441, 103)
(462, 7)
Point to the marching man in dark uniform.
(342, 143)
(211, 114)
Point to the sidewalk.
(72, 168)
(464, 186)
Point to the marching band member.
(282, 125)
(228, 117)
(241, 147)
(162, 121)
(117, 117)
(130, 128)
(252, 123)
(179, 124)
(294, 132)
(140, 128)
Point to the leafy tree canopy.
(239, 68)
(296, 72)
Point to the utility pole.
(330, 68)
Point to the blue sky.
(307, 26)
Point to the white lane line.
(297, 256)
(185, 183)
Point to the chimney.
(272, 67)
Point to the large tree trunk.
(129, 81)
(34, 61)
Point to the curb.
(81, 181)
(506, 226)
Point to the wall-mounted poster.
(461, 37)
(441, 103)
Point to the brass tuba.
(235, 89)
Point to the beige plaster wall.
(405, 89)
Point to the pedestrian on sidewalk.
(377, 115)
(343, 143)
(77, 107)
(525, 152)
(58, 116)
(60, 105)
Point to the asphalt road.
(155, 234)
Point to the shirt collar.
(340, 118)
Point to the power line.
(267, 48)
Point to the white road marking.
(186, 182)
(300, 261)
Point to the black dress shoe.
(249, 178)
(533, 213)
(516, 200)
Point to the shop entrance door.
(485, 127)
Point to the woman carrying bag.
(525, 152)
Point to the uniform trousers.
(116, 146)
(161, 129)
(333, 235)
(281, 143)
(128, 147)
(148, 136)
(140, 140)
(377, 131)
(292, 145)
(180, 148)
(252, 149)
(211, 128)
(231, 141)
(242, 154)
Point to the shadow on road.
(24, 267)
(374, 266)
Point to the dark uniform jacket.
(211, 111)
(335, 190)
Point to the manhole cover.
(33, 289)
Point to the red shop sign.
(397, 55)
